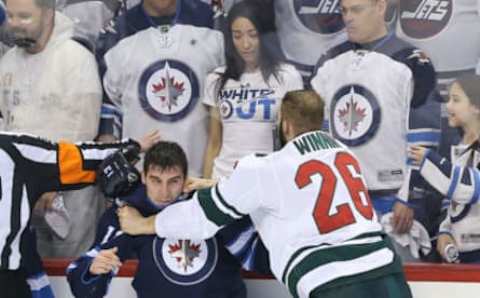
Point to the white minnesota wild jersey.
(309, 204)
(159, 85)
(366, 114)
(307, 29)
(248, 109)
(447, 30)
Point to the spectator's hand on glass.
(44, 203)
(416, 154)
(402, 218)
(149, 140)
(442, 241)
(105, 262)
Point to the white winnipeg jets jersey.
(447, 30)
(307, 29)
(308, 202)
(367, 114)
(248, 110)
(156, 77)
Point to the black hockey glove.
(117, 175)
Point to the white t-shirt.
(248, 110)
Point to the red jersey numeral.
(343, 216)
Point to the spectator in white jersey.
(375, 86)
(289, 195)
(458, 180)
(153, 62)
(245, 95)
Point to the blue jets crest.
(185, 262)
(354, 115)
(168, 90)
(423, 19)
(320, 16)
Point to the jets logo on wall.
(185, 262)
(354, 115)
(168, 90)
(321, 16)
(423, 19)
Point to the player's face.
(246, 41)
(25, 19)
(163, 185)
(461, 112)
(364, 19)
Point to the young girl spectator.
(459, 180)
(245, 95)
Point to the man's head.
(30, 22)
(164, 172)
(364, 19)
(158, 8)
(301, 112)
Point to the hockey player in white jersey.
(309, 204)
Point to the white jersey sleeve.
(212, 208)
(210, 93)
(458, 183)
(114, 79)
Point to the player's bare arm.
(194, 183)
(133, 223)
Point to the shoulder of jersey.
(252, 161)
(333, 53)
(288, 69)
(403, 51)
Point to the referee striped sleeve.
(216, 209)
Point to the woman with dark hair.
(459, 180)
(245, 95)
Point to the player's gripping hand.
(105, 262)
(133, 223)
(193, 183)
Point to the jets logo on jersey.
(168, 90)
(247, 103)
(185, 262)
(320, 16)
(354, 115)
(422, 19)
